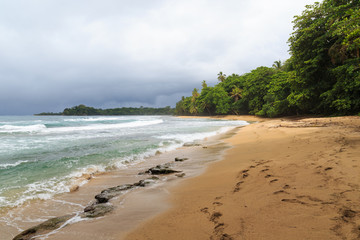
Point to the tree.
(324, 44)
(277, 65)
(193, 107)
(236, 93)
(221, 77)
(256, 87)
(276, 102)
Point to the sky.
(131, 53)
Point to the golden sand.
(283, 179)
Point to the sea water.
(41, 156)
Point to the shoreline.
(274, 179)
(282, 179)
(130, 206)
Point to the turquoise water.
(41, 156)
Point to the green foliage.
(82, 110)
(276, 102)
(256, 87)
(322, 75)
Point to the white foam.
(18, 129)
(9, 165)
(94, 119)
(168, 142)
(104, 126)
(183, 138)
(75, 219)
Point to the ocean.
(41, 156)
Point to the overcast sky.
(113, 53)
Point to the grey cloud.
(56, 54)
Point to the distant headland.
(82, 110)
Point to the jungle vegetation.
(82, 110)
(322, 75)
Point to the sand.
(282, 179)
(291, 178)
(131, 208)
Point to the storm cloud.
(110, 53)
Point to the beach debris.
(180, 159)
(47, 226)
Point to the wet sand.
(282, 179)
(131, 208)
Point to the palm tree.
(236, 93)
(221, 77)
(277, 65)
(193, 108)
(204, 84)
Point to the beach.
(52, 168)
(282, 179)
(289, 178)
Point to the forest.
(322, 75)
(82, 110)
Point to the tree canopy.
(82, 110)
(322, 76)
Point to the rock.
(110, 193)
(180, 175)
(181, 159)
(191, 144)
(97, 210)
(44, 227)
(162, 169)
(145, 182)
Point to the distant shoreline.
(82, 110)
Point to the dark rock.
(110, 193)
(119, 188)
(191, 144)
(181, 159)
(97, 210)
(44, 227)
(162, 169)
(145, 182)
(105, 197)
(180, 175)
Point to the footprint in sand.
(293, 201)
(217, 203)
(280, 191)
(215, 216)
(286, 186)
(237, 186)
(243, 173)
